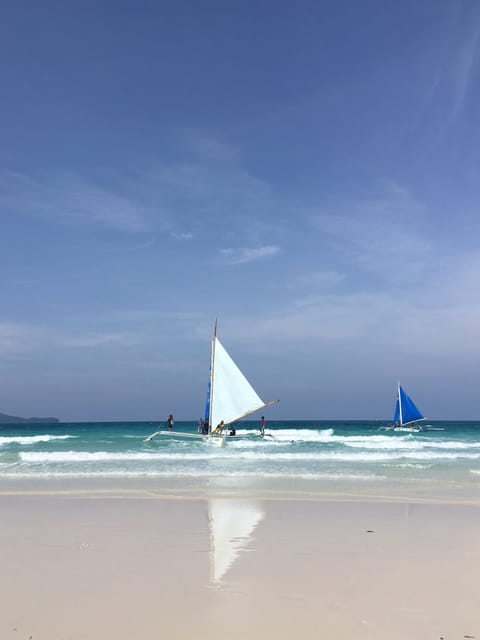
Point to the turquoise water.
(301, 456)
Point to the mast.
(212, 364)
(400, 417)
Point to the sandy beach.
(91, 565)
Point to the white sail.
(232, 523)
(232, 396)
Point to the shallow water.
(296, 456)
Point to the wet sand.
(98, 567)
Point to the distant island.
(4, 419)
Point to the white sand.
(119, 568)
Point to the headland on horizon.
(6, 419)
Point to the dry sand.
(105, 567)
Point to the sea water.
(294, 457)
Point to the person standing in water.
(170, 422)
(262, 426)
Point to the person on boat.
(170, 422)
(262, 426)
(204, 427)
(232, 432)
(220, 427)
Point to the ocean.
(309, 457)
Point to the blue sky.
(306, 172)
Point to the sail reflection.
(232, 523)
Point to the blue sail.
(207, 404)
(410, 412)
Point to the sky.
(307, 173)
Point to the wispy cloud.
(18, 339)
(139, 316)
(203, 186)
(379, 234)
(316, 280)
(182, 235)
(206, 147)
(95, 339)
(241, 255)
(465, 67)
(211, 188)
(141, 245)
(69, 199)
(441, 322)
(452, 66)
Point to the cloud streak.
(242, 255)
(380, 234)
(70, 200)
(18, 339)
(207, 191)
(465, 68)
(440, 324)
(316, 280)
(185, 235)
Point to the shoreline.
(321, 491)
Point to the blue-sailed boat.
(406, 415)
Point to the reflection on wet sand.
(232, 523)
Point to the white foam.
(399, 443)
(375, 442)
(26, 440)
(255, 455)
(99, 456)
(182, 473)
(411, 465)
(298, 435)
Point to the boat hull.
(403, 429)
(180, 434)
(218, 440)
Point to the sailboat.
(406, 414)
(230, 398)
